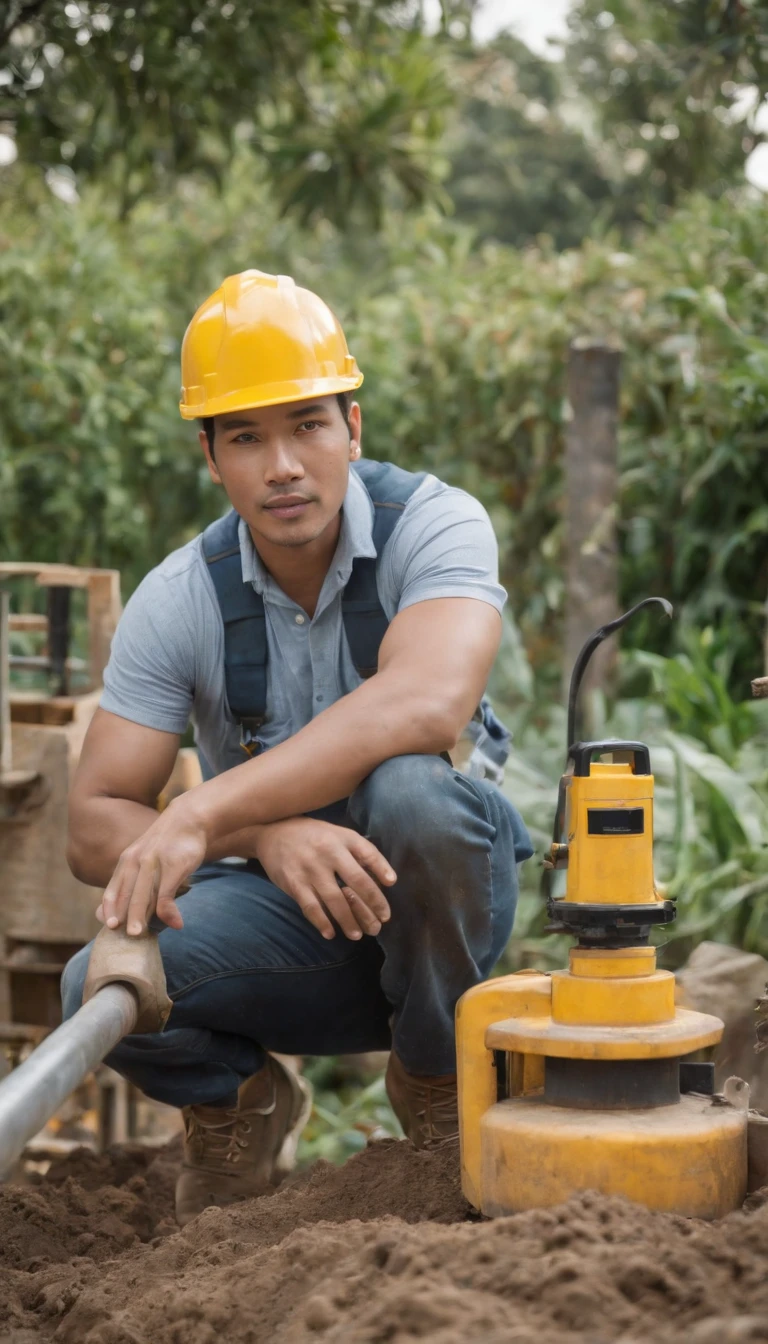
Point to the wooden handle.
(134, 961)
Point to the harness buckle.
(249, 742)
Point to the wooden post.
(5, 683)
(103, 615)
(591, 489)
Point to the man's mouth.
(288, 506)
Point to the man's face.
(285, 468)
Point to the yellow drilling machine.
(590, 1078)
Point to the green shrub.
(464, 355)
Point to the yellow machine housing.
(579, 1080)
(609, 819)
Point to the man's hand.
(150, 871)
(304, 857)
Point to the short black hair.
(344, 400)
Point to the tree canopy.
(342, 99)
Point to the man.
(378, 883)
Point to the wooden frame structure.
(46, 914)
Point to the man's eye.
(245, 438)
(311, 424)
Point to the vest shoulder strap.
(365, 621)
(245, 624)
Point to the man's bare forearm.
(386, 716)
(325, 761)
(108, 826)
(434, 663)
(99, 830)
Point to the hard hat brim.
(274, 394)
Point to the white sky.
(532, 20)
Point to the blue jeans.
(248, 973)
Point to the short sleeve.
(444, 546)
(151, 671)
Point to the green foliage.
(659, 83)
(518, 165)
(464, 355)
(646, 107)
(88, 470)
(350, 1107)
(138, 96)
(469, 358)
(342, 103)
(694, 689)
(729, 37)
(366, 139)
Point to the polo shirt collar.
(355, 540)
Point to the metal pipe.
(31, 1094)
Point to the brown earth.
(380, 1251)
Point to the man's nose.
(283, 463)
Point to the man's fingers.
(312, 910)
(114, 902)
(338, 906)
(141, 906)
(169, 912)
(170, 885)
(361, 882)
(362, 912)
(372, 858)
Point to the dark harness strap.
(245, 624)
(242, 609)
(365, 622)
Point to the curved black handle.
(596, 638)
(581, 754)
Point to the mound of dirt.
(89, 1206)
(380, 1251)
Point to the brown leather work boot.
(239, 1152)
(426, 1106)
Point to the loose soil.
(380, 1251)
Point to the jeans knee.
(414, 798)
(73, 980)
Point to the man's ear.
(355, 431)
(213, 470)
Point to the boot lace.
(434, 1104)
(220, 1139)
(221, 1135)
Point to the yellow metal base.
(523, 1153)
(685, 1032)
(689, 1159)
(599, 1032)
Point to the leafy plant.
(350, 1108)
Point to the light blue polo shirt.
(167, 660)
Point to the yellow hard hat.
(258, 341)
